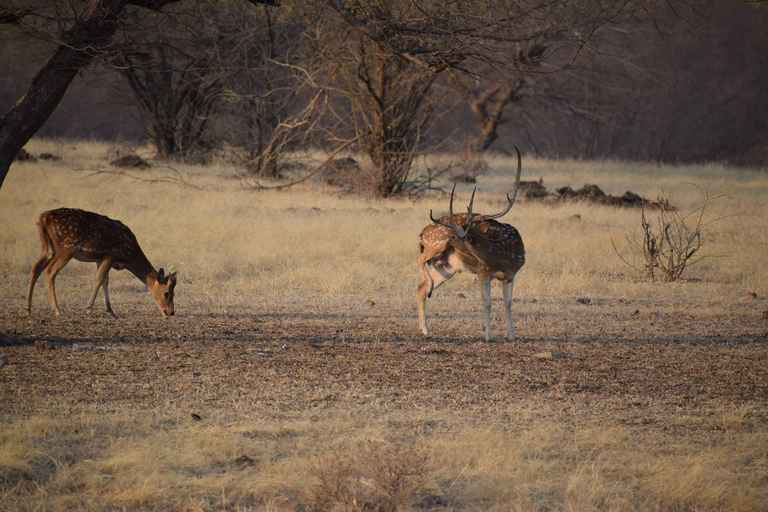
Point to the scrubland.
(294, 376)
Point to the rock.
(548, 355)
(370, 303)
(3, 360)
(582, 300)
(636, 312)
(24, 156)
(750, 296)
(341, 172)
(50, 156)
(131, 161)
(533, 189)
(460, 296)
(196, 416)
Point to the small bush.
(673, 243)
(375, 477)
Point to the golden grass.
(226, 241)
(311, 245)
(342, 462)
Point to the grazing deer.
(474, 243)
(69, 233)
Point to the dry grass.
(338, 462)
(376, 423)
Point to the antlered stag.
(69, 233)
(471, 242)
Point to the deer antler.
(458, 230)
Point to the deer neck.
(144, 271)
(474, 254)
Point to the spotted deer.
(69, 233)
(471, 242)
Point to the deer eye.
(166, 294)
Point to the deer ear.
(173, 278)
(160, 273)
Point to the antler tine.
(469, 211)
(438, 221)
(456, 229)
(510, 200)
(471, 201)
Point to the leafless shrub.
(177, 88)
(377, 477)
(673, 244)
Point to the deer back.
(90, 236)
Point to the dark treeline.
(666, 82)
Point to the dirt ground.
(371, 358)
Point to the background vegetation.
(668, 83)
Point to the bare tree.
(671, 86)
(275, 94)
(390, 108)
(174, 77)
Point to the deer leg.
(507, 287)
(37, 269)
(105, 288)
(436, 275)
(485, 291)
(54, 267)
(102, 275)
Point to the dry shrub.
(673, 244)
(375, 477)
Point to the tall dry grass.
(346, 462)
(230, 244)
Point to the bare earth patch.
(355, 385)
